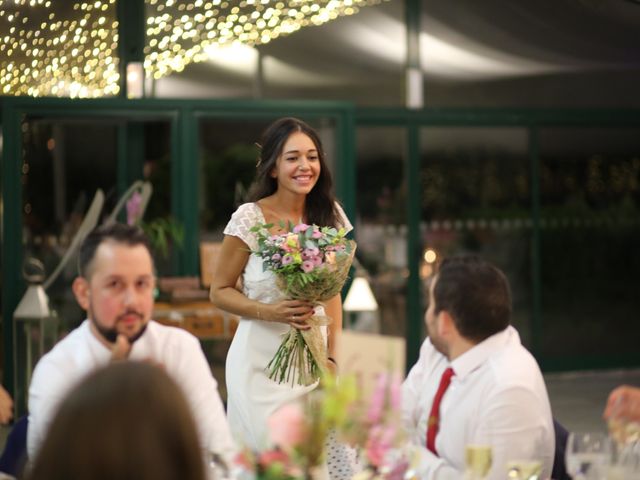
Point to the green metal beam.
(372, 116)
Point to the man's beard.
(111, 334)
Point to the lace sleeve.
(246, 216)
(344, 221)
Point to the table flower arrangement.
(310, 263)
(298, 433)
(376, 427)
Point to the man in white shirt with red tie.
(474, 383)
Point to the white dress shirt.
(497, 397)
(80, 353)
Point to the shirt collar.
(478, 354)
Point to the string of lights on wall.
(53, 48)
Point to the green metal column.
(346, 182)
(413, 70)
(414, 300)
(413, 16)
(131, 37)
(536, 280)
(12, 282)
(185, 189)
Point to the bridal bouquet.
(310, 263)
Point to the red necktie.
(433, 423)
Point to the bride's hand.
(294, 312)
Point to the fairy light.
(70, 51)
(47, 50)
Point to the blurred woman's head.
(320, 202)
(126, 421)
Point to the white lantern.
(35, 330)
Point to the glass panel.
(590, 201)
(228, 155)
(381, 226)
(65, 162)
(476, 199)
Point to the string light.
(49, 50)
(71, 50)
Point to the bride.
(292, 184)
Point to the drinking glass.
(524, 470)
(588, 455)
(478, 460)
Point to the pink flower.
(301, 227)
(317, 261)
(273, 456)
(374, 414)
(309, 253)
(134, 209)
(380, 441)
(316, 234)
(244, 461)
(395, 392)
(287, 259)
(308, 266)
(287, 426)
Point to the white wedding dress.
(251, 396)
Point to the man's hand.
(6, 406)
(121, 349)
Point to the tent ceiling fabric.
(461, 42)
(488, 40)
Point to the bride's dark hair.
(320, 204)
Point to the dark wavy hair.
(475, 293)
(320, 204)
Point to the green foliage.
(226, 175)
(162, 232)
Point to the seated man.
(115, 286)
(474, 383)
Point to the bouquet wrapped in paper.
(310, 263)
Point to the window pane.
(65, 161)
(590, 199)
(381, 226)
(476, 199)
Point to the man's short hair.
(475, 293)
(131, 235)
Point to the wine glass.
(478, 460)
(524, 470)
(626, 461)
(588, 455)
